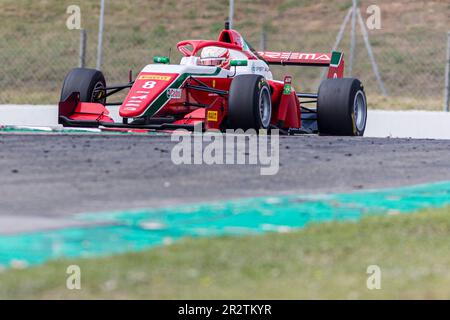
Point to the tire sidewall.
(260, 88)
(244, 102)
(358, 89)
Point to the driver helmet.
(215, 56)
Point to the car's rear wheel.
(249, 103)
(342, 108)
(89, 83)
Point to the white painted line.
(18, 224)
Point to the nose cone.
(149, 89)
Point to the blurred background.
(37, 48)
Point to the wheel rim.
(360, 111)
(265, 107)
(97, 88)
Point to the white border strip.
(380, 123)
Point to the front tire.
(89, 83)
(342, 108)
(249, 103)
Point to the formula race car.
(221, 85)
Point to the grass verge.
(326, 261)
(404, 103)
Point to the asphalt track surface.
(46, 179)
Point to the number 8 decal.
(149, 85)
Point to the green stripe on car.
(163, 97)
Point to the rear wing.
(334, 60)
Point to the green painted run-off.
(141, 229)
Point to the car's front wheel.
(249, 103)
(89, 83)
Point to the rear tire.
(249, 103)
(342, 107)
(89, 83)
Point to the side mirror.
(163, 60)
(239, 63)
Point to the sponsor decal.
(213, 116)
(296, 56)
(287, 85)
(174, 93)
(154, 77)
(259, 69)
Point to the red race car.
(223, 84)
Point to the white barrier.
(395, 124)
(37, 115)
(408, 124)
(28, 115)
